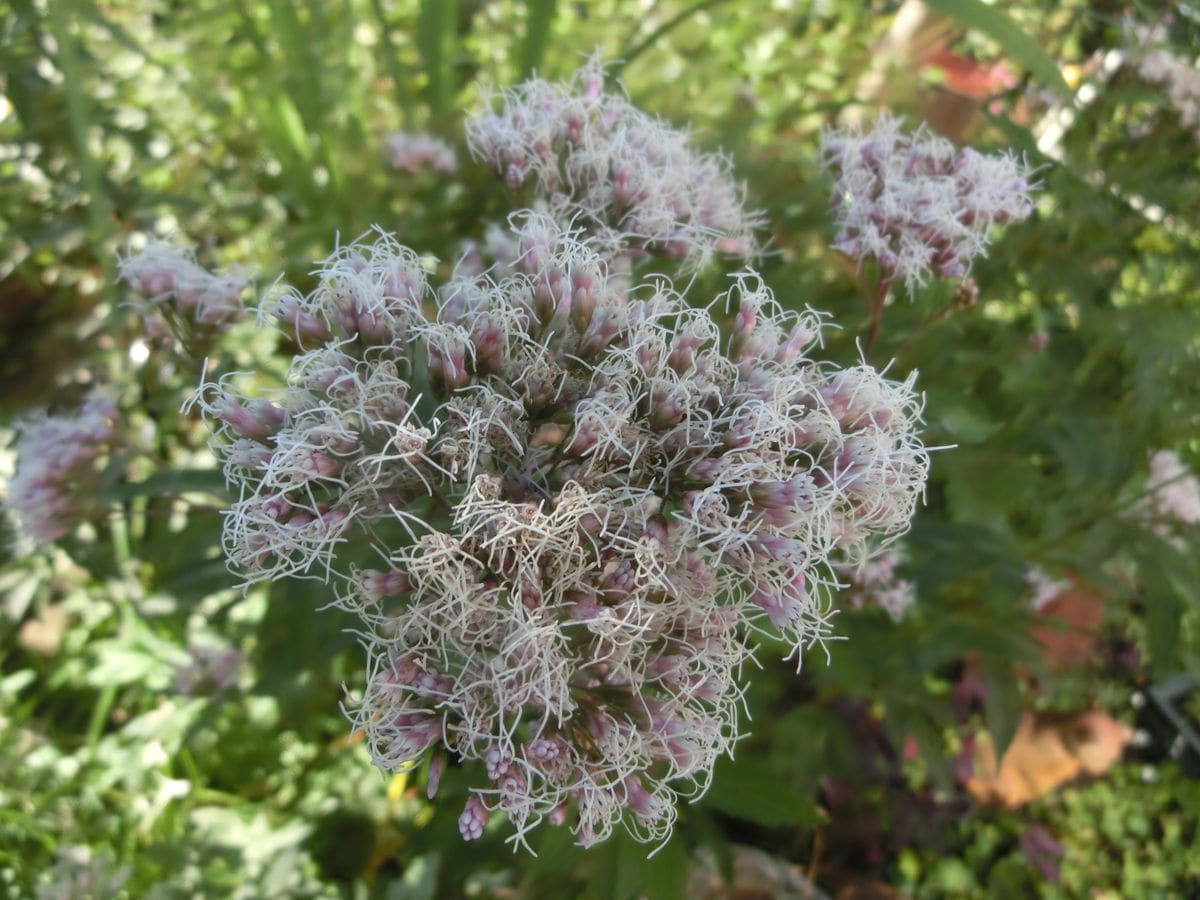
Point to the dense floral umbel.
(585, 499)
(915, 204)
(607, 166)
(59, 458)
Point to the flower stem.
(876, 308)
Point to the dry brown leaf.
(1046, 752)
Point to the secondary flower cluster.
(915, 204)
(1180, 78)
(1043, 588)
(1157, 64)
(416, 151)
(606, 166)
(169, 277)
(584, 499)
(874, 581)
(59, 460)
(1174, 492)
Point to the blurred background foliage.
(164, 733)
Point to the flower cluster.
(415, 151)
(875, 582)
(605, 165)
(1154, 61)
(915, 204)
(1174, 492)
(584, 499)
(170, 278)
(58, 474)
(1180, 78)
(1043, 588)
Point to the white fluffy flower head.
(586, 498)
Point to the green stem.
(100, 713)
(118, 529)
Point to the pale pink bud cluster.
(415, 152)
(602, 164)
(367, 294)
(169, 277)
(874, 582)
(1174, 492)
(59, 469)
(915, 204)
(584, 499)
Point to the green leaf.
(302, 71)
(625, 57)
(665, 873)
(748, 790)
(292, 126)
(624, 868)
(1003, 702)
(1004, 31)
(391, 58)
(539, 16)
(1169, 582)
(436, 32)
(186, 481)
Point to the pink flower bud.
(473, 819)
(436, 766)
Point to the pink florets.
(916, 205)
(414, 152)
(169, 277)
(586, 512)
(58, 475)
(875, 582)
(586, 494)
(598, 160)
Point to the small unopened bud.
(436, 766)
(473, 819)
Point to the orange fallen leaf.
(1046, 752)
